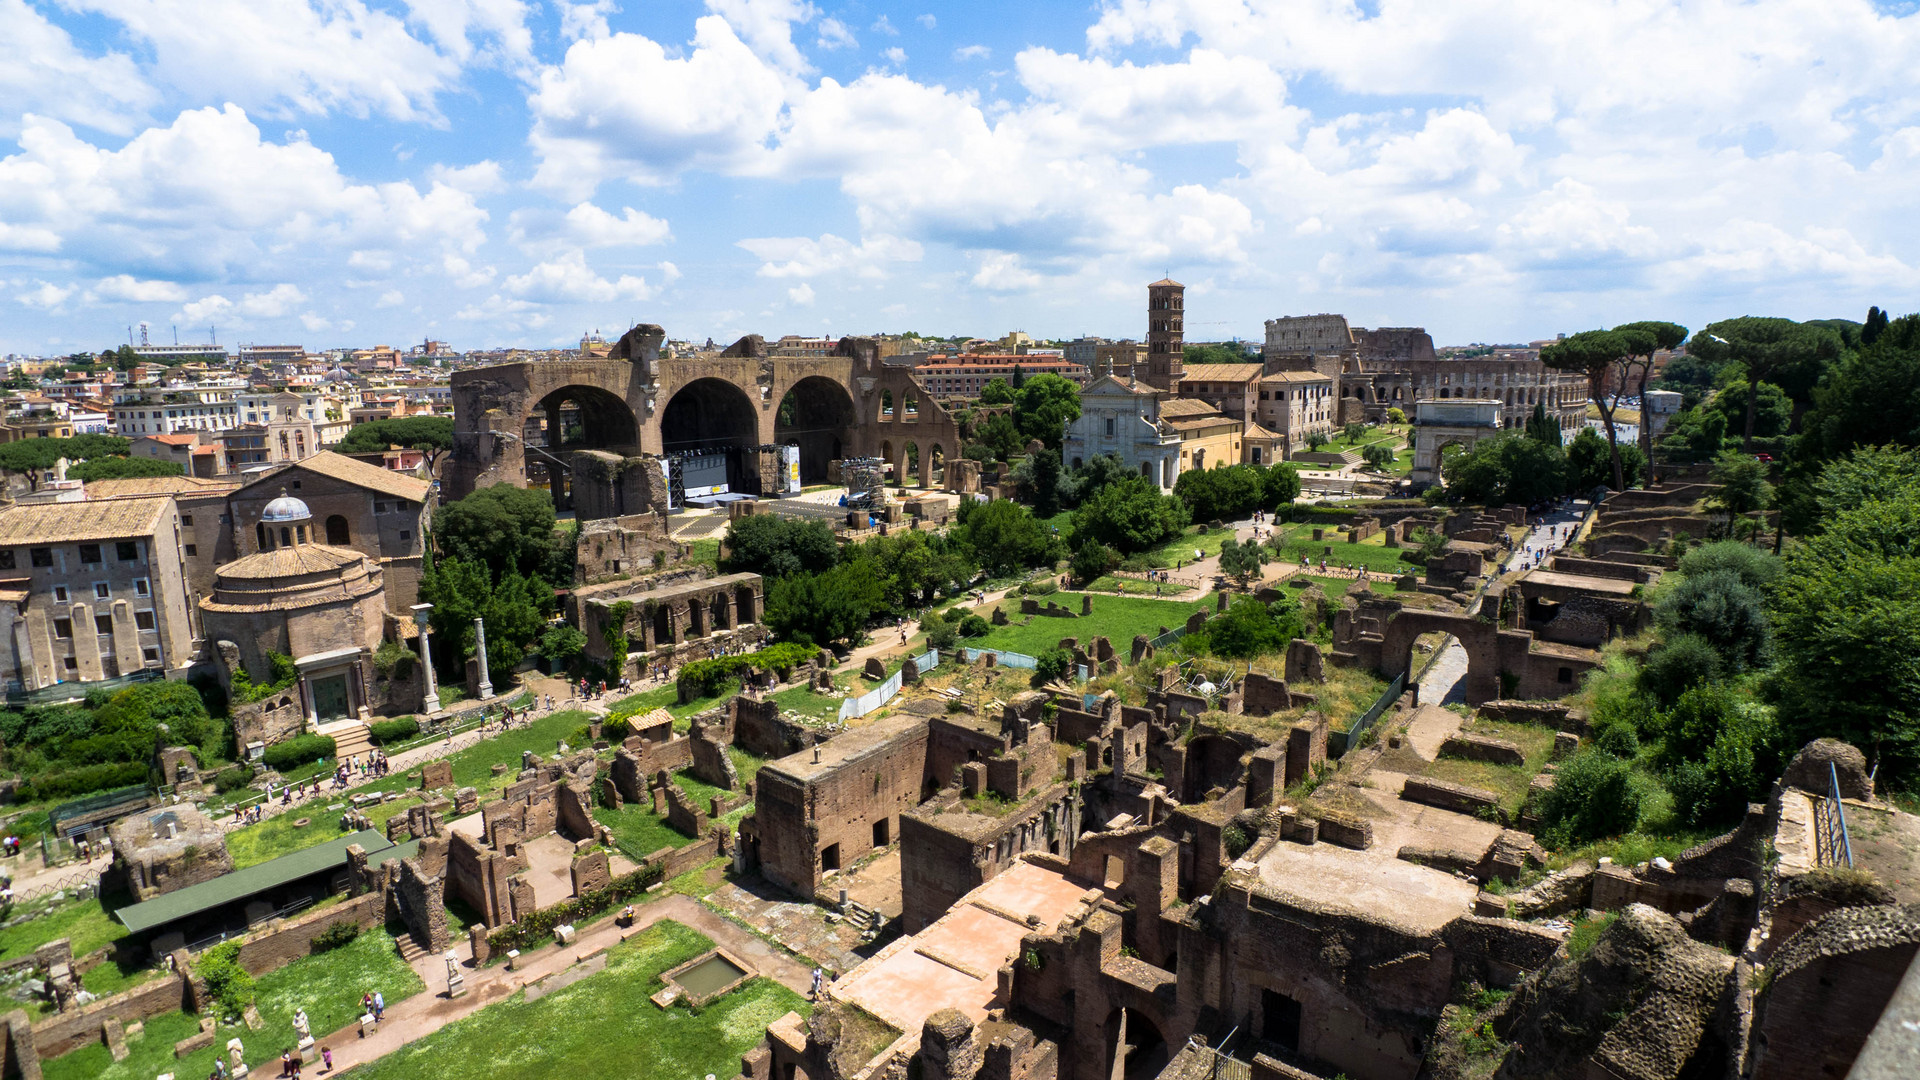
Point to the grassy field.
(1118, 618)
(1336, 587)
(472, 767)
(1509, 782)
(327, 985)
(1131, 586)
(1371, 553)
(668, 697)
(600, 1028)
(89, 924)
(1175, 553)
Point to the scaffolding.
(866, 479)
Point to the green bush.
(393, 731)
(975, 626)
(1051, 665)
(1594, 795)
(535, 928)
(337, 936)
(298, 751)
(1683, 663)
(232, 778)
(941, 635)
(1617, 739)
(84, 780)
(227, 982)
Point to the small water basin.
(707, 977)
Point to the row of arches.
(909, 463)
(816, 414)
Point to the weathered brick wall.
(951, 745)
(573, 804)
(936, 868)
(276, 949)
(1829, 988)
(1263, 695)
(759, 730)
(478, 876)
(70, 1031)
(837, 808)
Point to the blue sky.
(494, 172)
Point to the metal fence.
(1000, 657)
(885, 692)
(80, 808)
(1168, 638)
(1367, 719)
(1832, 845)
(75, 691)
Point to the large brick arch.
(492, 405)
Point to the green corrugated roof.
(241, 884)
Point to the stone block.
(1304, 662)
(115, 1036)
(436, 774)
(874, 668)
(1459, 798)
(1488, 906)
(1565, 745)
(1482, 748)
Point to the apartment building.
(95, 590)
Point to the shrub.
(232, 778)
(298, 751)
(975, 626)
(1617, 739)
(227, 982)
(535, 928)
(1680, 665)
(1051, 665)
(83, 780)
(1594, 795)
(337, 936)
(1722, 608)
(393, 731)
(941, 635)
(1235, 840)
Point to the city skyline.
(505, 173)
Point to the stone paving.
(801, 927)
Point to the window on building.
(143, 620)
(71, 663)
(100, 591)
(406, 534)
(63, 628)
(127, 550)
(6, 558)
(103, 624)
(186, 519)
(150, 655)
(140, 587)
(89, 553)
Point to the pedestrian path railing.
(1832, 845)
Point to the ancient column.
(431, 703)
(480, 651)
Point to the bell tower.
(1166, 319)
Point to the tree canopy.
(1129, 515)
(776, 546)
(1044, 405)
(996, 392)
(1508, 469)
(120, 468)
(1595, 353)
(1004, 536)
(500, 526)
(431, 434)
(1789, 354)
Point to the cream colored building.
(93, 590)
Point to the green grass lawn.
(472, 767)
(1174, 553)
(802, 700)
(1132, 586)
(1334, 586)
(668, 697)
(1370, 553)
(89, 924)
(600, 1028)
(1118, 618)
(327, 985)
(638, 831)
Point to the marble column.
(431, 703)
(480, 651)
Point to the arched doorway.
(936, 468)
(568, 419)
(818, 416)
(714, 415)
(338, 534)
(1135, 1048)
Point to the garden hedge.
(298, 751)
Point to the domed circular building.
(323, 606)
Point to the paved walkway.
(426, 1012)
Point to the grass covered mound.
(601, 1028)
(328, 985)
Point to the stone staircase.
(350, 738)
(410, 950)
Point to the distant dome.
(284, 509)
(340, 374)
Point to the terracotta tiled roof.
(294, 561)
(1221, 373)
(73, 522)
(1295, 377)
(359, 473)
(1255, 431)
(155, 485)
(1183, 408)
(1166, 281)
